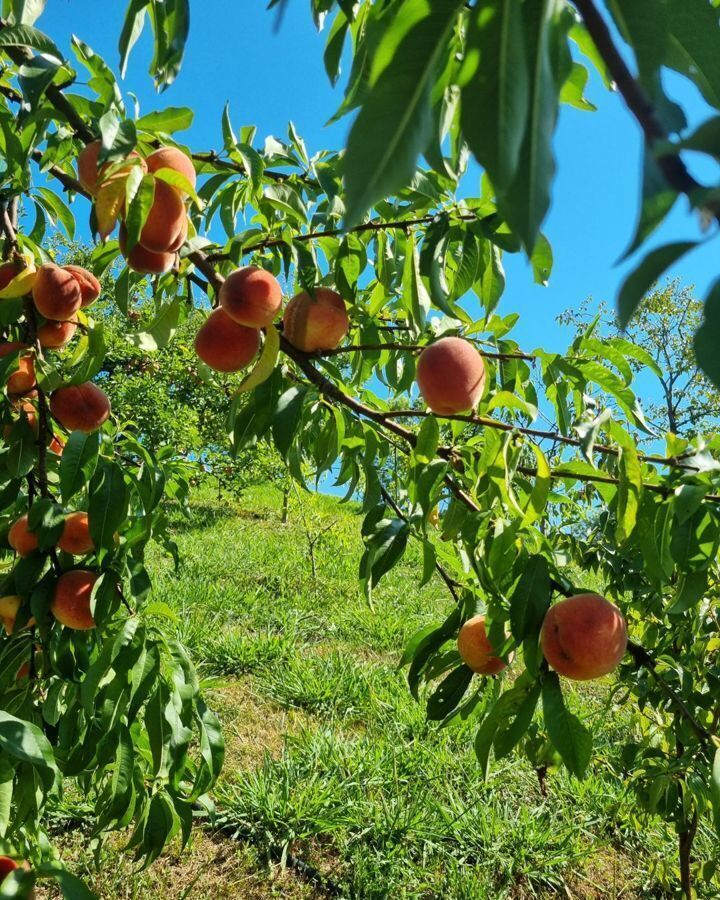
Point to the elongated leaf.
(531, 598)
(167, 121)
(658, 198)
(108, 503)
(707, 337)
(25, 742)
(266, 362)
(496, 94)
(28, 36)
(395, 121)
(568, 735)
(639, 282)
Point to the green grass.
(331, 759)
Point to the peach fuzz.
(143, 261)
(54, 335)
(584, 637)
(224, 345)
(165, 220)
(71, 601)
(89, 285)
(475, 648)
(75, 537)
(80, 407)
(251, 296)
(56, 293)
(451, 376)
(9, 608)
(22, 380)
(316, 323)
(172, 158)
(21, 539)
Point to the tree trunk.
(685, 843)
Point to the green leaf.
(639, 282)
(629, 491)
(568, 735)
(287, 418)
(57, 209)
(496, 92)
(530, 599)
(512, 730)
(118, 137)
(658, 198)
(161, 330)
(395, 121)
(26, 742)
(265, 365)
(108, 503)
(692, 45)
(707, 337)
(139, 203)
(131, 30)
(524, 203)
(27, 36)
(449, 693)
(166, 121)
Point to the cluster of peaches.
(58, 293)
(166, 227)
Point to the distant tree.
(687, 403)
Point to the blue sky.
(234, 55)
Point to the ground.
(335, 784)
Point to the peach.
(21, 539)
(54, 335)
(181, 237)
(165, 220)
(251, 296)
(89, 285)
(316, 323)
(56, 445)
(7, 866)
(75, 537)
(584, 637)
(451, 376)
(9, 608)
(172, 158)
(80, 407)
(475, 648)
(87, 165)
(57, 293)
(27, 410)
(22, 380)
(71, 601)
(8, 271)
(143, 261)
(224, 345)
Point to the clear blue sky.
(234, 55)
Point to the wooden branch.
(413, 348)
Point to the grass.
(330, 759)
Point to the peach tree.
(567, 552)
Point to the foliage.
(508, 495)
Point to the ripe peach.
(80, 407)
(75, 537)
(22, 380)
(71, 602)
(26, 410)
(143, 261)
(181, 237)
(89, 285)
(8, 271)
(316, 323)
(172, 158)
(451, 376)
(21, 539)
(54, 335)
(475, 649)
(9, 608)
(251, 296)
(7, 866)
(165, 220)
(56, 445)
(87, 165)
(56, 293)
(584, 637)
(224, 345)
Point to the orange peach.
(80, 407)
(451, 376)
(75, 537)
(475, 648)
(26, 410)
(143, 261)
(22, 380)
(71, 601)
(21, 539)
(9, 608)
(89, 285)
(56, 445)
(224, 345)
(316, 323)
(172, 158)
(7, 866)
(165, 220)
(8, 271)
(87, 165)
(54, 335)
(584, 637)
(57, 293)
(251, 296)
